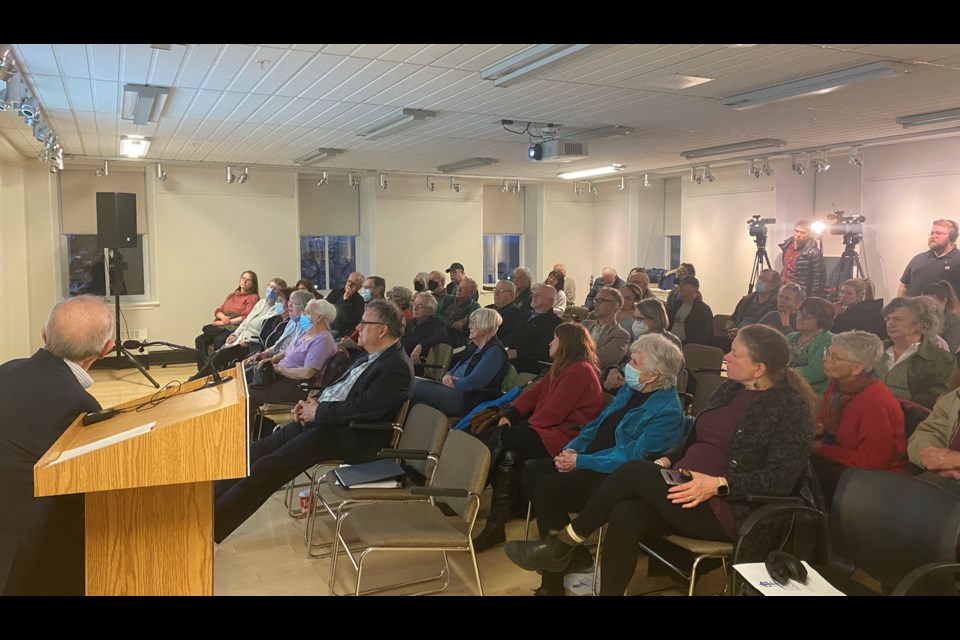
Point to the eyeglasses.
(832, 357)
(371, 322)
(803, 315)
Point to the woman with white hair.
(913, 367)
(643, 421)
(304, 359)
(477, 375)
(860, 424)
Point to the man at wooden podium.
(371, 390)
(42, 539)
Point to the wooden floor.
(266, 555)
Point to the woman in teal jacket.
(644, 420)
(814, 321)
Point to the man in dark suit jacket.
(504, 294)
(349, 304)
(371, 390)
(529, 343)
(41, 539)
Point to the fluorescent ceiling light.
(316, 156)
(535, 60)
(589, 173)
(143, 103)
(597, 133)
(469, 163)
(934, 117)
(677, 81)
(822, 83)
(134, 146)
(747, 145)
(400, 121)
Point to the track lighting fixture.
(516, 187)
(707, 175)
(322, 182)
(577, 191)
(104, 171)
(455, 185)
(799, 166)
(353, 182)
(592, 190)
(230, 177)
(820, 164)
(383, 181)
(161, 174)
(766, 168)
(431, 185)
(622, 184)
(755, 169)
(855, 158)
(243, 177)
(28, 109)
(504, 188)
(646, 181)
(696, 177)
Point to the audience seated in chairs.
(478, 374)
(349, 303)
(643, 421)
(435, 284)
(943, 294)
(912, 367)
(692, 319)
(555, 280)
(420, 282)
(402, 297)
(523, 280)
(608, 278)
(541, 421)
(860, 424)
(286, 330)
(784, 318)
(302, 360)
(859, 309)
(752, 308)
(649, 318)
(610, 338)
(372, 390)
(569, 286)
(305, 284)
(814, 320)
(640, 278)
(631, 295)
(246, 338)
(670, 281)
(424, 330)
(528, 345)
(454, 312)
(755, 438)
(228, 316)
(935, 444)
(504, 301)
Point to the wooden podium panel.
(149, 498)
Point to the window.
(327, 260)
(501, 255)
(673, 249)
(91, 268)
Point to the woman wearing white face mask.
(643, 421)
(649, 318)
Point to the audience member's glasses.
(372, 322)
(935, 234)
(803, 315)
(832, 357)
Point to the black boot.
(506, 484)
(548, 554)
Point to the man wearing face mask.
(291, 329)
(349, 303)
(643, 420)
(610, 338)
(246, 339)
(752, 308)
(435, 286)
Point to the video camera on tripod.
(850, 227)
(758, 229)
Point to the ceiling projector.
(557, 151)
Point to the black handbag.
(263, 376)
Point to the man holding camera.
(802, 261)
(942, 262)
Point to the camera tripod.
(759, 260)
(848, 267)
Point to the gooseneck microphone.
(217, 378)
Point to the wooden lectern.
(149, 497)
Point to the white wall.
(568, 235)
(15, 323)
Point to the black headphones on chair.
(783, 567)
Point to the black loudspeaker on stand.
(117, 229)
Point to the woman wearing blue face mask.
(246, 339)
(644, 421)
(279, 332)
(302, 360)
(649, 318)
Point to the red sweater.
(238, 303)
(870, 434)
(573, 399)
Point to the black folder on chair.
(375, 471)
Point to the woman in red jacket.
(860, 424)
(228, 316)
(541, 421)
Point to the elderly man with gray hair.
(608, 278)
(523, 280)
(424, 331)
(528, 345)
(504, 301)
(860, 424)
(455, 310)
(41, 539)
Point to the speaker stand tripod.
(121, 352)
